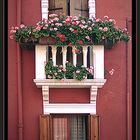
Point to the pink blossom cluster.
(14, 30)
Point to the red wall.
(111, 99)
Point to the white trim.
(40, 59)
(70, 108)
(92, 8)
(70, 83)
(44, 9)
(48, 108)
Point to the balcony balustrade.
(94, 54)
(96, 58)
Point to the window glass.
(70, 127)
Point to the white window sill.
(69, 83)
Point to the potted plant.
(23, 35)
(78, 72)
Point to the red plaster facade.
(113, 100)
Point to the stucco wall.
(111, 100)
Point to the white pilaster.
(54, 50)
(40, 59)
(74, 56)
(92, 8)
(44, 9)
(98, 58)
(85, 55)
(64, 52)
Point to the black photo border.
(1, 71)
(137, 73)
(4, 69)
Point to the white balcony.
(96, 58)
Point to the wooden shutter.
(79, 7)
(45, 127)
(57, 6)
(93, 127)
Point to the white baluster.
(85, 55)
(64, 51)
(54, 50)
(74, 56)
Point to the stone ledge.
(69, 83)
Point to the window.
(69, 127)
(69, 7)
(73, 127)
(74, 8)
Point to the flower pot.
(47, 40)
(108, 44)
(27, 45)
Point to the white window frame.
(45, 7)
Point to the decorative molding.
(45, 92)
(70, 83)
(48, 108)
(93, 94)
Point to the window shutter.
(45, 127)
(57, 6)
(79, 7)
(93, 127)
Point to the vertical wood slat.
(45, 127)
(93, 122)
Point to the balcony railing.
(95, 55)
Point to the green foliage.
(74, 31)
(70, 72)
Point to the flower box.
(28, 44)
(47, 40)
(75, 31)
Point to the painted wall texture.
(111, 99)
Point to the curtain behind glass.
(69, 128)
